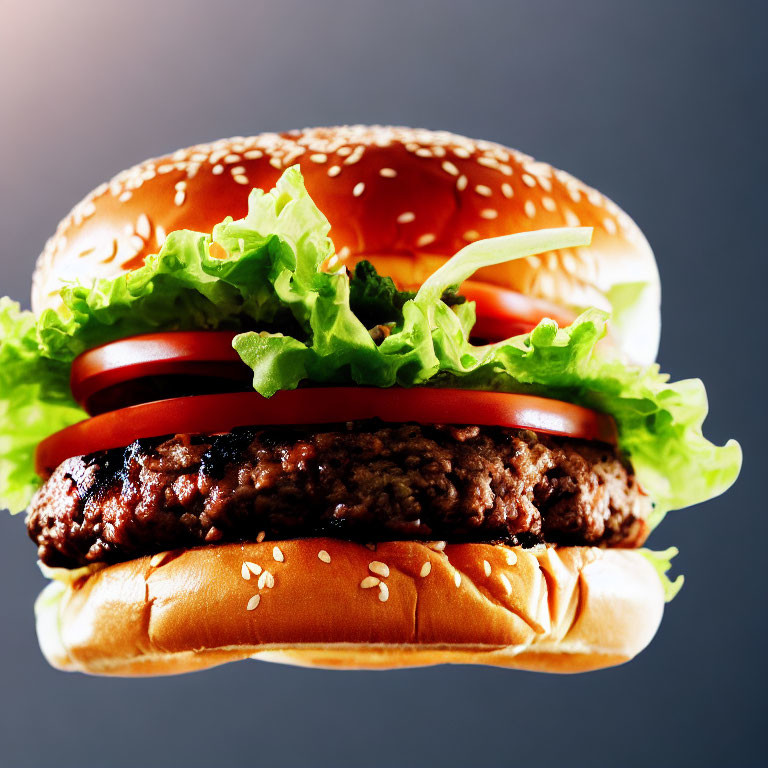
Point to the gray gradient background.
(662, 106)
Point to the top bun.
(404, 198)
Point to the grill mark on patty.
(363, 481)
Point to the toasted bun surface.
(406, 199)
(334, 603)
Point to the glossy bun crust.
(404, 198)
(332, 603)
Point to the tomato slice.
(502, 313)
(187, 358)
(205, 354)
(211, 414)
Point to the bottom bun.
(336, 604)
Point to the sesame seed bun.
(406, 199)
(332, 603)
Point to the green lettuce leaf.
(376, 300)
(662, 562)
(35, 401)
(229, 279)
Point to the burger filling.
(300, 322)
(364, 481)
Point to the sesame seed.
(425, 569)
(388, 173)
(355, 156)
(160, 235)
(437, 546)
(530, 209)
(275, 162)
(471, 235)
(488, 162)
(254, 568)
(461, 152)
(571, 219)
(180, 197)
(489, 213)
(507, 583)
(324, 556)
(594, 197)
(137, 242)
(449, 167)
(261, 535)
(358, 189)
(344, 251)
(240, 179)
(423, 152)
(165, 168)
(426, 239)
(511, 557)
(377, 567)
(406, 217)
(610, 226)
(487, 567)
(481, 189)
(344, 151)
(266, 579)
(506, 190)
(244, 572)
(528, 180)
(334, 170)
(126, 196)
(143, 226)
(383, 592)
(253, 154)
(505, 169)
(157, 559)
(574, 194)
(229, 159)
(179, 185)
(319, 157)
(461, 183)
(253, 602)
(549, 203)
(370, 581)
(217, 169)
(238, 169)
(457, 578)
(277, 553)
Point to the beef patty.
(364, 480)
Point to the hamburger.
(353, 397)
